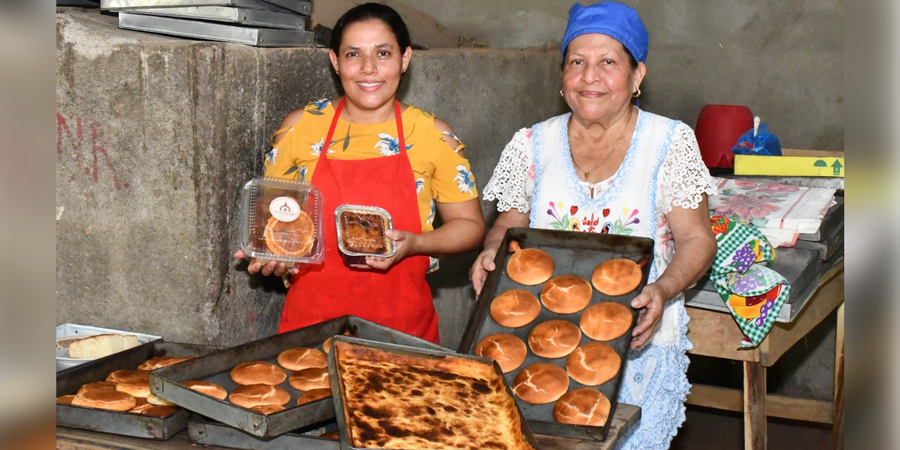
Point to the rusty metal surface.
(216, 367)
(574, 253)
(336, 387)
(123, 423)
(209, 433)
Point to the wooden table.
(715, 334)
(71, 439)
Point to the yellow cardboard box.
(793, 163)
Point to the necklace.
(587, 173)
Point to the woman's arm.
(485, 261)
(695, 250)
(461, 230)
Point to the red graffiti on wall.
(90, 168)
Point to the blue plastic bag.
(757, 141)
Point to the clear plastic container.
(361, 232)
(282, 221)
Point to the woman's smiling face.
(598, 79)
(369, 64)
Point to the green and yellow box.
(792, 163)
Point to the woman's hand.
(651, 302)
(479, 271)
(406, 244)
(270, 267)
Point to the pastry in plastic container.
(282, 221)
(361, 232)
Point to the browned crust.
(566, 294)
(302, 358)
(97, 385)
(530, 266)
(593, 364)
(515, 308)
(257, 372)
(105, 399)
(163, 361)
(149, 409)
(617, 276)
(206, 387)
(313, 395)
(508, 350)
(540, 383)
(605, 321)
(259, 394)
(584, 406)
(554, 338)
(294, 238)
(267, 409)
(309, 379)
(136, 377)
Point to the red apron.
(399, 298)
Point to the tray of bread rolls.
(112, 394)
(556, 314)
(318, 436)
(390, 396)
(273, 385)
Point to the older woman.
(609, 167)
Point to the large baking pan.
(197, 29)
(216, 367)
(338, 391)
(215, 434)
(70, 380)
(227, 14)
(574, 253)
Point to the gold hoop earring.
(637, 93)
(561, 93)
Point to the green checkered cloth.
(753, 293)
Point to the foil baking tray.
(216, 434)
(254, 36)
(338, 390)
(574, 253)
(228, 14)
(354, 257)
(123, 423)
(216, 367)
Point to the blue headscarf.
(613, 19)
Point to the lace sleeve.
(685, 178)
(508, 183)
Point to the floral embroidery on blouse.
(317, 147)
(316, 107)
(431, 213)
(389, 145)
(420, 185)
(563, 221)
(270, 157)
(299, 172)
(464, 179)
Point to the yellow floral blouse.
(441, 174)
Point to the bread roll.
(302, 358)
(267, 409)
(104, 399)
(313, 395)
(540, 383)
(163, 361)
(605, 321)
(97, 385)
(530, 266)
(593, 364)
(257, 372)
(309, 379)
(154, 400)
(508, 350)
(566, 294)
(515, 308)
(585, 406)
(65, 400)
(133, 382)
(135, 390)
(258, 394)
(149, 409)
(554, 338)
(206, 387)
(326, 346)
(617, 276)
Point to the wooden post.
(754, 406)
(838, 429)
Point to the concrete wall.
(156, 135)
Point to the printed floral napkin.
(753, 292)
(780, 211)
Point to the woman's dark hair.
(369, 11)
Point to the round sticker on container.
(285, 209)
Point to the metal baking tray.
(215, 434)
(337, 387)
(833, 218)
(70, 380)
(117, 5)
(228, 14)
(72, 330)
(216, 367)
(297, 6)
(258, 37)
(575, 253)
(828, 246)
